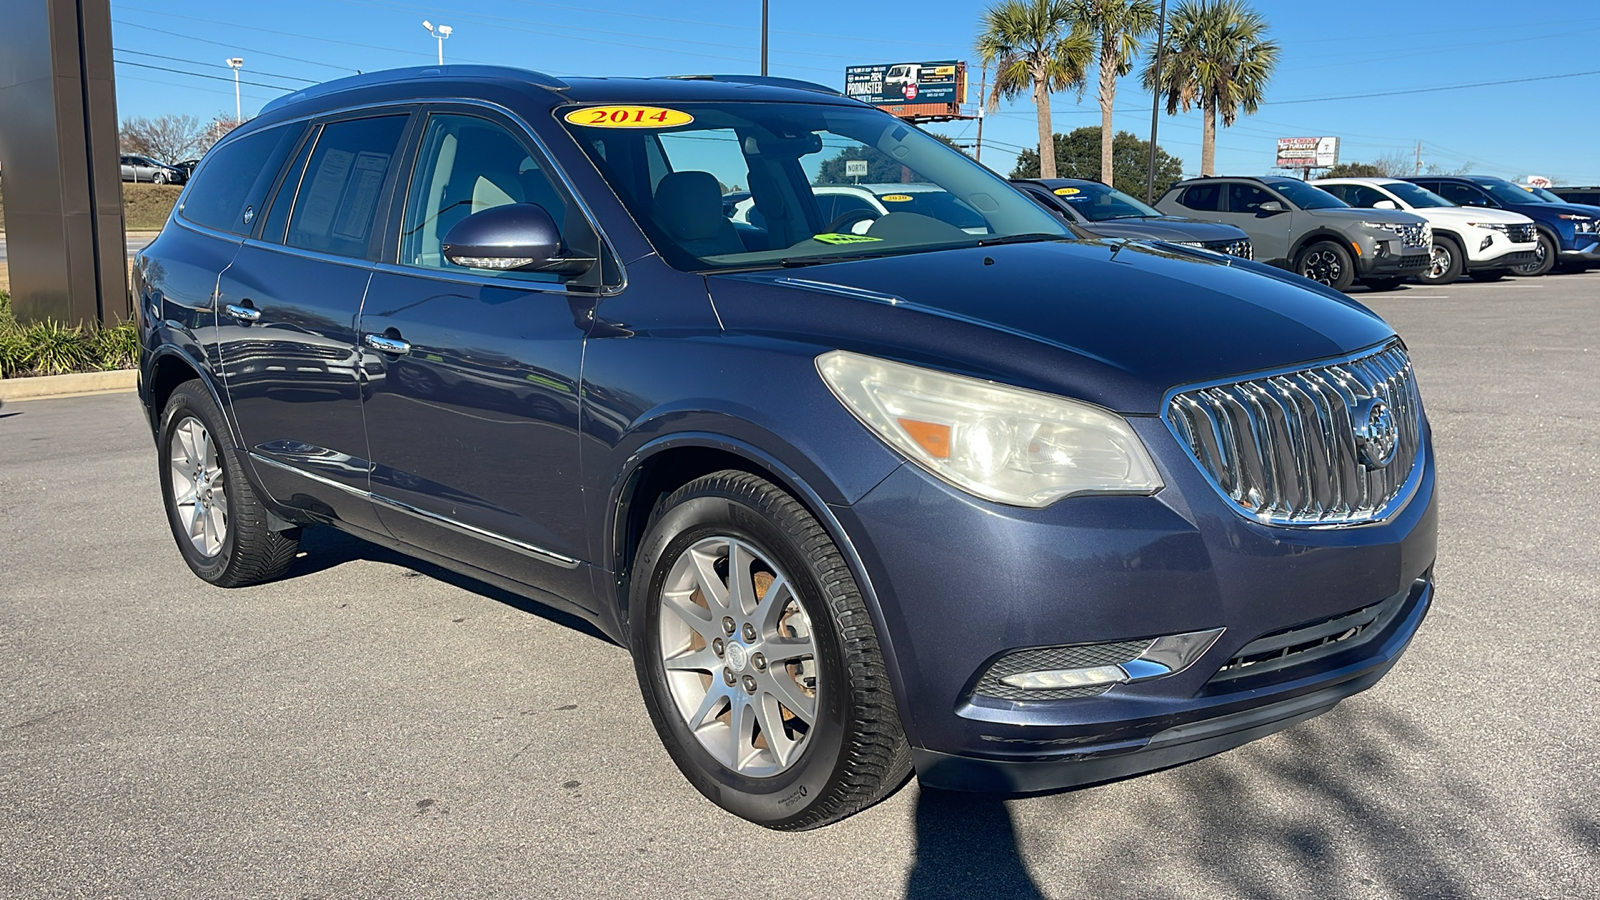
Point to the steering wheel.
(843, 222)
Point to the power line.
(277, 87)
(196, 62)
(231, 45)
(1448, 87)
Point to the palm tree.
(1031, 46)
(1218, 58)
(1116, 26)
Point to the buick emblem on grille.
(1377, 433)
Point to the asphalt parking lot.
(373, 726)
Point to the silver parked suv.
(1309, 231)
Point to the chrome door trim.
(539, 553)
(529, 550)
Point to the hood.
(1456, 214)
(1395, 216)
(1109, 322)
(1548, 211)
(1165, 228)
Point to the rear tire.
(218, 522)
(1445, 263)
(1327, 263)
(1544, 258)
(796, 596)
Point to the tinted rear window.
(1203, 197)
(236, 176)
(337, 201)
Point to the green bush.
(55, 348)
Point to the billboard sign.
(892, 84)
(1308, 152)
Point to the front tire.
(1444, 264)
(218, 522)
(1544, 258)
(757, 659)
(158, 178)
(1327, 263)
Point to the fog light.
(1486, 242)
(1139, 661)
(1066, 678)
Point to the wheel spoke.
(693, 614)
(783, 689)
(710, 707)
(771, 605)
(741, 589)
(705, 575)
(742, 736)
(702, 660)
(783, 649)
(771, 719)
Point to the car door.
(287, 312)
(1270, 230)
(472, 405)
(129, 173)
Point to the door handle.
(242, 313)
(387, 345)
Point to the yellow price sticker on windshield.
(628, 117)
(844, 238)
(1066, 192)
(896, 198)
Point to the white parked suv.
(852, 208)
(1484, 243)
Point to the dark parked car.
(143, 168)
(1108, 212)
(1569, 234)
(1587, 196)
(1015, 510)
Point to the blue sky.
(1547, 127)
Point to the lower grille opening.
(1073, 657)
(1314, 640)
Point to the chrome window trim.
(422, 106)
(539, 553)
(1386, 513)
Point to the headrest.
(688, 205)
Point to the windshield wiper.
(1021, 238)
(794, 261)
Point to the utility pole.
(1419, 159)
(763, 38)
(236, 63)
(440, 33)
(1155, 105)
(983, 90)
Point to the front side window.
(1415, 195)
(1463, 194)
(336, 202)
(1358, 195)
(1247, 198)
(784, 154)
(467, 165)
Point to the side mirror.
(519, 236)
(1269, 208)
(1386, 204)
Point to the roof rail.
(388, 76)
(769, 81)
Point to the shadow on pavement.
(967, 848)
(323, 548)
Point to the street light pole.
(236, 63)
(440, 33)
(1155, 105)
(763, 38)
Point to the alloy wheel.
(1439, 262)
(199, 494)
(739, 656)
(1322, 266)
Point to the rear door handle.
(243, 313)
(387, 345)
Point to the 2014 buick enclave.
(1013, 509)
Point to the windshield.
(1506, 192)
(1416, 195)
(1305, 196)
(672, 167)
(1097, 203)
(1545, 195)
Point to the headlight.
(1390, 227)
(1492, 226)
(997, 442)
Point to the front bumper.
(1586, 251)
(961, 583)
(1397, 263)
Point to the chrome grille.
(1282, 447)
(1239, 248)
(1418, 235)
(1521, 234)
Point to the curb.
(76, 384)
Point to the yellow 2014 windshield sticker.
(629, 117)
(896, 198)
(1066, 192)
(844, 238)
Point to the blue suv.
(1569, 234)
(1010, 509)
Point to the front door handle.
(242, 313)
(387, 345)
